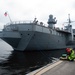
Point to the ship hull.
(43, 41)
(12, 41)
(33, 40)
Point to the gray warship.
(34, 35)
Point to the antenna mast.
(69, 20)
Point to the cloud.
(28, 9)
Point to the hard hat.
(68, 50)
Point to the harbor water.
(20, 63)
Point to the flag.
(5, 14)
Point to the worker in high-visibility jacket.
(70, 54)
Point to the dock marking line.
(45, 68)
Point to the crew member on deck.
(35, 20)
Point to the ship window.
(21, 34)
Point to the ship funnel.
(51, 21)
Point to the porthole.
(21, 34)
(28, 34)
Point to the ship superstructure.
(35, 36)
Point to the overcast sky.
(29, 9)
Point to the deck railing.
(19, 22)
(25, 22)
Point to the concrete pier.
(57, 68)
(65, 68)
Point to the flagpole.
(9, 17)
(7, 14)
